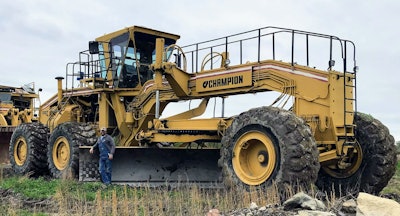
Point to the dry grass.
(125, 200)
(68, 197)
(73, 198)
(162, 201)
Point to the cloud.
(39, 37)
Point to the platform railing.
(288, 45)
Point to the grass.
(394, 183)
(69, 197)
(34, 189)
(41, 188)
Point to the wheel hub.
(20, 151)
(61, 153)
(254, 158)
(263, 158)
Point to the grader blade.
(156, 167)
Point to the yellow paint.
(20, 151)
(61, 153)
(254, 158)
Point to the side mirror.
(93, 47)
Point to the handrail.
(89, 67)
(194, 50)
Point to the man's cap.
(103, 129)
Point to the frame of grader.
(310, 133)
(16, 107)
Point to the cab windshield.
(130, 64)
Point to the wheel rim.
(355, 161)
(254, 158)
(20, 151)
(61, 153)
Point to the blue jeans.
(105, 170)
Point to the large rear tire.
(377, 156)
(28, 149)
(269, 145)
(63, 148)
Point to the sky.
(38, 37)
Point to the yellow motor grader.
(309, 133)
(16, 107)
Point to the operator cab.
(125, 55)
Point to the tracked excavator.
(311, 132)
(17, 105)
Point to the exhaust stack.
(59, 89)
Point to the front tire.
(28, 149)
(269, 145)
(63, 148)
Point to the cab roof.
(132, 29)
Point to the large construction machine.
(308, 131)
(17, 105)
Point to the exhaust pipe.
(59, 89)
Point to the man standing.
(106, 146)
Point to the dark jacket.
(108, 141)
